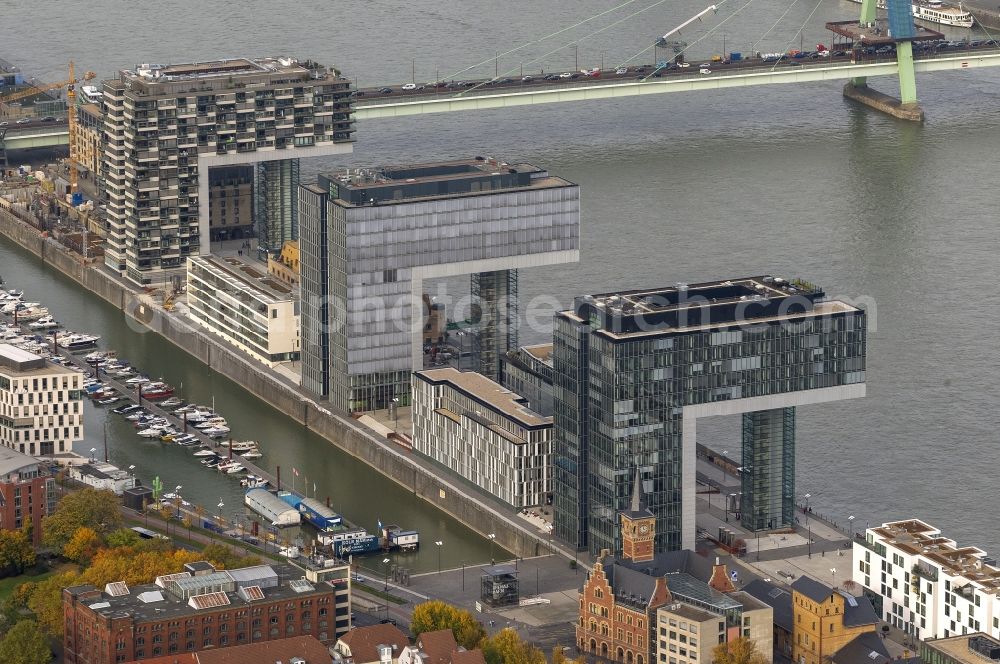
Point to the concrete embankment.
(480, 513)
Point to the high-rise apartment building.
(167, 126)
(634, 371)
(370, 239)
(41, 404)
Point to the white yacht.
(936, 11)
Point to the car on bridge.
(621, 71)
(385, 91)
(409, 86)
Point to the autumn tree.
(435, 614)
(46, 602)
(97, 510)
(24, 643)
(16, 551)
(82, 546)
(739, 651)
(507, 647)
(135, 565)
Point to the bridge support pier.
(883, 102)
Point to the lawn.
(35, 574)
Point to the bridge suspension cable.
(575, 41)
(544, 38)
(799, 32)
(753, 46)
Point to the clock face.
(643, 529)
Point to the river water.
(789, 180)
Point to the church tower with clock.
(638, 527)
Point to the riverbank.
(479, 513)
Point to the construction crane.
(70, 85)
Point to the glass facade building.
(370, 238)
(634, 371)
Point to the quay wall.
(384, 456)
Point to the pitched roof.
(859, 612)
(364, 641)
(265, 652)
(779, 599)
(308, 648)
(720, 579)
(813, 589)
(468, 657)
(438, 645)
(867, 647)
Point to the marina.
(157, 414)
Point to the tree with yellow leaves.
(98, 510)
(82, 546)
(507, 647)
(16, 551)
(435, 614)
(46, 602)
(739, 651)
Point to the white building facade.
(484, 433)
(926, 584)
(41, 404)
(104, 476)
(244, 306)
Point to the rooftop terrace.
(691, 307)
(917, 538)
(462, 177)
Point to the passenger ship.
(935, 11)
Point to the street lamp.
(492, 537)
(93, 451)
(131, 469)
(177, 499)
(850, 520)
(385, 564)
(220, 506)
(439, 544)
(807, 497)
(725, 455)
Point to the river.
(790, 180)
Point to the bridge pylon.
(870, 32)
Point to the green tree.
(223, 557)
(507, 647)
(435, 615)
(738, 651)
(25, 643)
(98, 510)
(82, 546)
(16, 551)
(46, 602)
(122, 537)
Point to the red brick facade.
(26, 501)
(91, 638)
(613, 630)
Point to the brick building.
(26, 493)
(294, 650)
(201, 609)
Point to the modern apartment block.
(528, 371)
(200, 609)
(245, 306)
(369, 240)
(926, 584)
(41, 404)
(29, 493)
(483, 432)
(167, 126)
(634, 372)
